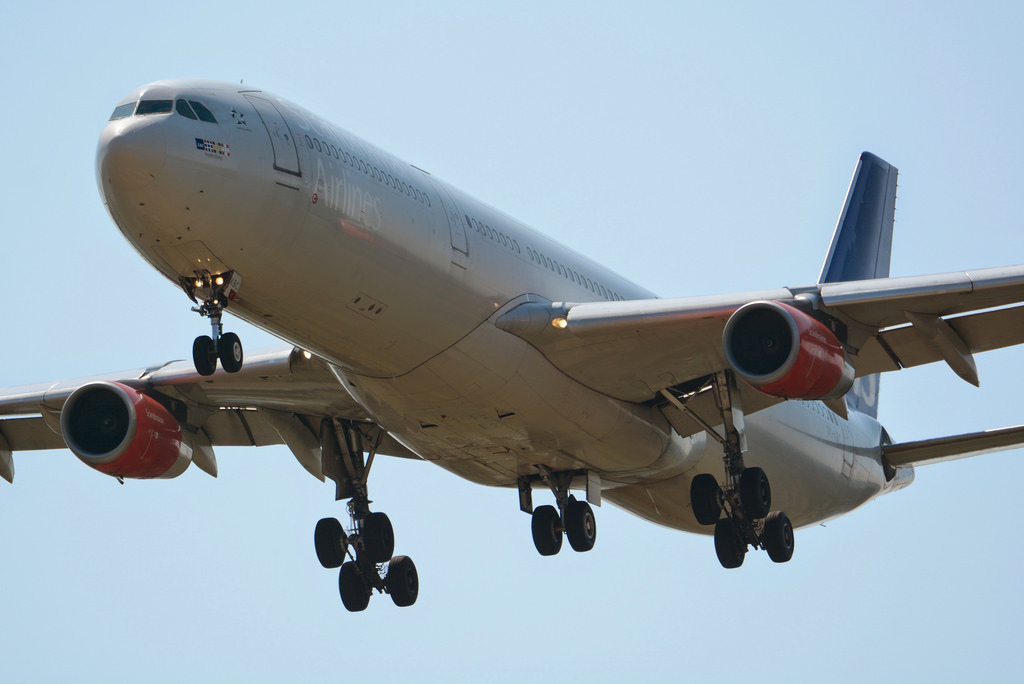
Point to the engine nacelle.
(785, 353)
(123, 433)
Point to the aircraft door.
(286, 157)
(460, 245)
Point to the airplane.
(421, 323)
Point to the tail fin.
(862, 247)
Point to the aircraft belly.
(819, 467)
(491, 408)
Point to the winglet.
(862, 243)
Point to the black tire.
(330, 541)
(580, 525)
(229, 348)
(402, 581)
(355, 593)
(204, 355)
(378, 538)
(778, 537)
(755, 493)
(730, 548)
(547, 535)
(705, 499)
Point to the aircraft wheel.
(755, 493)
(580, 525)
(546, 528)
(705, 498)
(378, 538)
(402, 581)
(731, 549)
(330, 542)
(229, 347)
(204, 355)
(355, 594)
(778, 537)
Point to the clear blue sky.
(695, 150)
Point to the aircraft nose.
(130, 158)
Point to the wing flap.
(882, 303)
(30, 434)
(951, 448)
(906, 347)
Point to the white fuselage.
(396, 278)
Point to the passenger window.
(121, 111)
(203, 113)
(182, 108)
(154, 107)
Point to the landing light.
(560, 323)
(199, 283)
(307, 355)
(219, 280)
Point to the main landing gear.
(216, 291)
(746, 498)
(572, 518)
(364, 552)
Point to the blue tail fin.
(862, 247)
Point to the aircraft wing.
(279, 397)
(634, 349)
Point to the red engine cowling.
(123, 433)
(785, 353)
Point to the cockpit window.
(154, 107)
(121, 111)
(204, 113)
(182, 108)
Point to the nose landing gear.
(216, 291)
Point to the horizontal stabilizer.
(951, 448)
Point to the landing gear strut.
(364, 552)
(746, 498)
(216, 291)
(572, 518)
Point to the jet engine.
(785, 353)
(123, 433)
